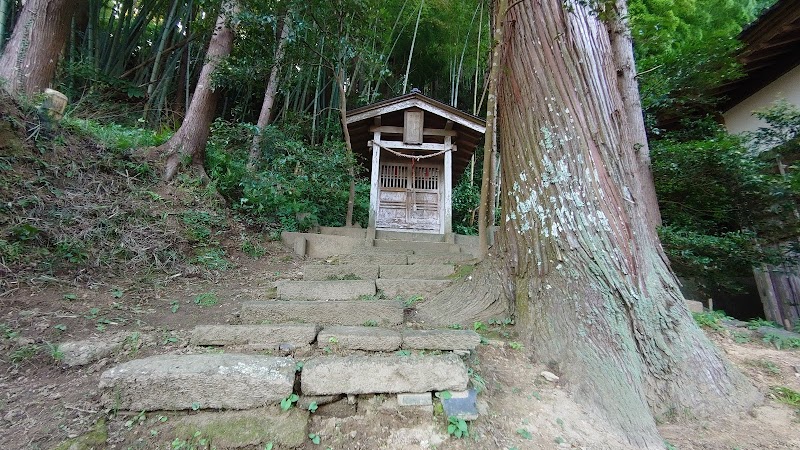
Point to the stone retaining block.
(405, 288)
(417, 271)
(321, 272)
(218, 381)
(353, 312)
(383, 374)
(361, 338)
(440, 339)
(263, 336)
(325, 290)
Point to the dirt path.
(43, 403)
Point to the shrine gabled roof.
(470, 129)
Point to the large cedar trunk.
(189, 142)
(29, 59)
(591, 285)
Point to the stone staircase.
(341, 330)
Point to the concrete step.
(325, 290)
(375, 374)
(320, 272)
(408, 236)
(261, 337)
(392, 288)
(216, 381)
(417, 247)
(344, 312)
(440, 340)
(371, 339)
(417, 271)
(352, 232)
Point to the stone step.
(417, 271)
(371, 258)
(344, 312)
(417, 246)
(371, 339)
(439, 258)
(320, 272)
(352, 232)
(216, 381)
(392, 287)
(440, 340)
(375, 374)
(325, 290)
(262, 337)
(408, 236)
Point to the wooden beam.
(448, 191)
(427, 107)
(373, 189)
(425, 131)
(449, 125)
(404, 146)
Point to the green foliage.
(466, 198)
(294, 185)
(457, 427)
(206, 299)
(781, 342)
(786, 395)
(289, 401)
(710, 319)
(116, 136)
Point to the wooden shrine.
(415, 147)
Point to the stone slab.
(780, 332)
(325, 290)
(215, 381)
(407, 287)
(81, 353)
(247, 429)
(408, 236)
(383, 374)
(321, 272)
(373, 258)
(321, 245)
(440, 339)
(406, 399)
(371, 339)
(353, 232)
(461, 405)
(354, 312)
(694, 306)
(417, 271)
(263, 336)
(417, 246)
(440, 258)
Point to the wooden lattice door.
(409, 198)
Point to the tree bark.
(188, 144)
(269, 93)
(340, 79)
(591, 287)
(31, 54)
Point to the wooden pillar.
(373, 187)
(448, 189)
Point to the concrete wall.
(740, 118)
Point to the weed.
(371, 323)
(768, 366)
(524, 433)
(60, 327)
(477, 380)
(289, 401)
(345, 277)
(8, 332)
(479, 326)
(786, 395)
(206, 299)
(314, 438)
(710, 319)
(23, 353)
(462, 272)
(70, 296)
(174, 306)
(410, 301)
(757, 323)
(313, 407)
(196, 442)
(117, 293)
(333, 340)
(444, 395)
(455, 326)
(54, 351)
(781, 343)
(136, 420)
(299, 366)
(515, 345)
(251, 248)
(212, 258)
(740, 337)
(457, 427)
(669, 446)
(403, 353)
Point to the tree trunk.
(29, 60)
(269, 93)
(189, 142)
(340, 79)
(592, 290)
(486, 203)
